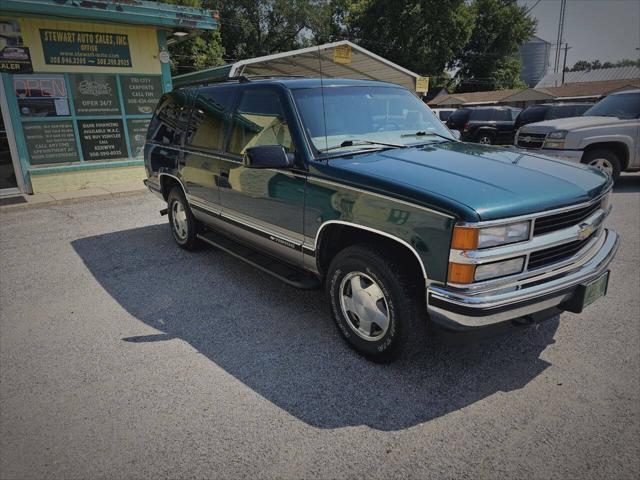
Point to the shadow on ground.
(280, 341)
(627, 184)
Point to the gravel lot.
(124, 357)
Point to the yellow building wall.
(143, 45)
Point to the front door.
(263, 206)
(8, 180)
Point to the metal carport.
(311, 62)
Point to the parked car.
(486, 125)
(356, 186)
(550, 111)
(443, 113)
(606, 136)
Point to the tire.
(184, 226)
(604, 160)
(373, 275)
(484, 139)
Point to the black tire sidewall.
(176, 195)
(390, 345)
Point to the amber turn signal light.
(465, 238)
(461, 272)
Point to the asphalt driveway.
(122, 356)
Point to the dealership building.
(79, 84)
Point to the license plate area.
(588, 293)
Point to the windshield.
(626, 105)
(376, 114)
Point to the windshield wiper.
(357, 142)
(422, 133)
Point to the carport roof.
(311, 62)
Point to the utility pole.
(563, 6)
(564, 63)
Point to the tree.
(488, 61)
(582, 65)
(252, 28)
(421, 35)
(195, 52)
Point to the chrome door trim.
(386, 197)
(380, 232)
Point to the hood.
(472, 181)
(571, 123)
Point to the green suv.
(357, 187)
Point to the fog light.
(499, 269)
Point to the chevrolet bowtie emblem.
(585, 230)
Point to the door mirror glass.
(267, 156)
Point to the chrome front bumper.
(456, 309)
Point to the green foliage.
(487, 61)
(421, 35)
(197, 53)
(583, 65)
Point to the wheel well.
(620, 149)
(336, 237)
(166, 185)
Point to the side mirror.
(456, 134)
(267, 156)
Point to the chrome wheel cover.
(603, 165)
(179, 218)
(364, 306)
(484, 141)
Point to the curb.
(72, 200)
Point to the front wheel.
(376, 307)
(184, 226)
(604, 160)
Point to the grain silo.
(535, 60)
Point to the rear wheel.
(375, 306)
(484, 139)
(184, 226)
(604, 160)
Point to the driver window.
(259, 120)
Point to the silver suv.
(606, 136)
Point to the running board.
(289, 274)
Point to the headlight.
(558, 135)
(470, 238)
(499, 269)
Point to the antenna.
(324, 115)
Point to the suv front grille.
(556, 254)
(531, 140)
(562, 220)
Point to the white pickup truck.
(606, 136)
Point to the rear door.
(263, 206)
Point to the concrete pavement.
(122, 356)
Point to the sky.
(607, 30)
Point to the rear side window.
(482, 115)
(502, 115)
(209, 119)
(444, 115)
(459, 115)
(565, 111)
(166, 126)
(259, 120)
(532, 114)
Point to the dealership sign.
(93, 49)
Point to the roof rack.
(239, 79)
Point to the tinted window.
(502, 115)
(482, 115)
(165, 126)
(259, 120)
(209, 118)
(532, 114)
(443, 115)
(459, 116)
(622, 106)
(564, 111)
